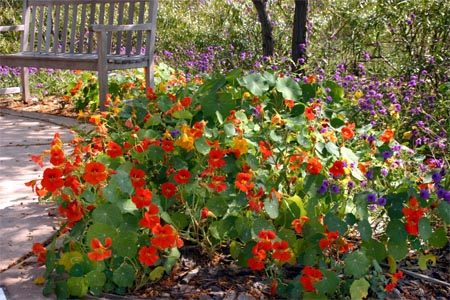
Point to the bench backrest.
(61, 26)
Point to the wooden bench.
(93, 35)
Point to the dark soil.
(220, 278)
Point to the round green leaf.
(438, 238)
(359, 289)
(125, 245)
(124, 276)
(398, 250)
(357, 264)
(95, 278)
(77, 286)
(101, 232)
(365, 230)
(425, 229)
(443, 210)
(271, 207)
(329, 282)
(107, 214)
(396, 231)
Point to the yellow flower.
(358, 94)
(185, 141)
(40, 280)
(246, 95)
(240, 144)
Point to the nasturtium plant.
(277, 169)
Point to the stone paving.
(24, 221)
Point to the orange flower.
(73, 210)
(142, 198)
(95, 173)
(52, 179)
(215, 158)
(347, 133)
(314, 166)
(413, 214)
(338, 168)
(254, 200)
(40, 251)
(298, 224)
(57, 156)
(165, 237)
(387, 135)
(148, 255)
(168, 189)
(394, 279)
(100, 252)
(310, 276)
(331, 237)
(289, 103)
(150, 218)
(311, 79)
(243, 182)
(114, 150)
(183, 176)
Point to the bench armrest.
(131, 27)
(12, 28)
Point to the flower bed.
(281, 171)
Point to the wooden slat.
(131, 27)
(140, 20)
(12, 28)
(128, 41)
(111, 22)
(78, 2)
(82, 28)
(32, 26)
(48, 27)
(91, 34)
(40, 30)
(119, 34)
(73, 26)
(65, 28)
(56, 30)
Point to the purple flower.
(371, 198)
(424, 194)
(387, 154)
(335, 189)
(381, 201)
(436, 177)
(384, 172)
(350, 184)
(369, 174)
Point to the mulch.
(220, 278)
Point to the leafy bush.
(274, 168)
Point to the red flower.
(413, 214)
(217, 183)
(74, 184)
(215, 158)
(142, 197)
(298, 224)
(150, 218)
(266, 237)
(314, 166)
(114, 150)
(243, 182)
(100, 252)
(167, 146)
(289, 103)
(338, 168)
(40, 251)
(394, 279)
(168, 189)
(265, 151)
(74, 211)
(282, 251)
(254, 200)
(206, 213)
(137, 178)
(183, 176)
(165, 237)
(257, 261)
(95, 173)
(52, 179)
(331, 237)
(57, 157)
(310, 276)
(186, 101)
(311, 79)
(148, 255)
(309, 113)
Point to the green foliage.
(231, 160)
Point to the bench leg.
(149, 79)
(102, 88)
(26, 96)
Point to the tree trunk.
(299, 33)
(266, 27)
